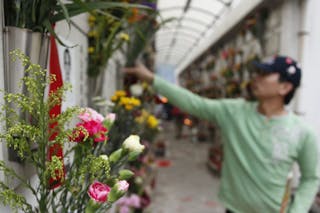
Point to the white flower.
(104, 157)
(132, 143)
(136, 90)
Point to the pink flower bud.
(111, 117)
(123, 185)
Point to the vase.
(35, 45)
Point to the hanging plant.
(40, 16)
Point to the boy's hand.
(141, 72)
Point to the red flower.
(78, 134)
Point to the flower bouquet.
(82, 179)
(126, 108)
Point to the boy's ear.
(286, 87)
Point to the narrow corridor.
(186, 184)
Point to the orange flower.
(135, 16)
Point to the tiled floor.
(186, 186)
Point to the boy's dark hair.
(290, 95)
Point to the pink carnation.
(95, 129)
(91, 115)
(134, 201)
(124, 209)
(99, 191)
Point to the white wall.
(290, 26)
(309, 100)
(78, 39)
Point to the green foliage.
(35, 14)
(40, 15)
(11, 198)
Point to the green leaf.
(125, 174)
(115, 156)
(133, 156)
(51, 30)
(81, 7)
(114, 195)
(92, 207)
(65, 12)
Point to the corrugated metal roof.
(193, 22)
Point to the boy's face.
(267, 85)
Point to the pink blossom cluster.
(125, 203)
(92, 122)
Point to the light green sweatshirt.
(258, 152)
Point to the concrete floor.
(186, 185)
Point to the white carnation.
(136, 90)
(132, 143)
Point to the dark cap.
(288, 68)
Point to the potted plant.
(27, 24)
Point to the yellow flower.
(91, 24)
(135, 102)
(140, 119)
(152, 122)
(92, 33)
(92, 18)
(143, 116)
(91, 50)
(128, 107)
(114, 98)
(145, 85)
(124, 36)
(120, 93)
(123, 101)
